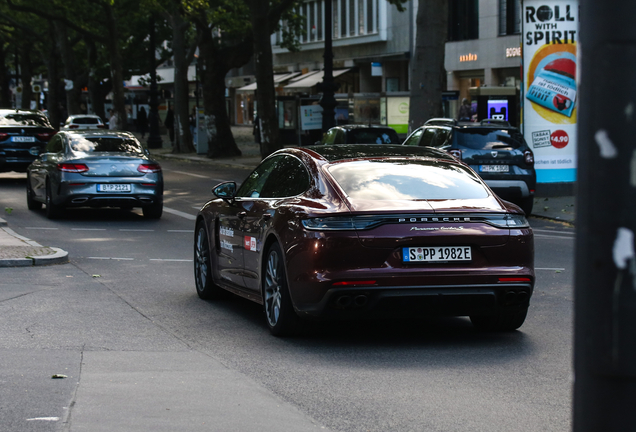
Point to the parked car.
(96, 169)
(83, 121)
(493, 148)
(23, 135)
(360, 134)
(353, 231)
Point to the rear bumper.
(510, 189)
(392, 302)
(111, 200)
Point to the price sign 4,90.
(559, 139)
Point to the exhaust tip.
(523, 296)
(344, 301)
(360, 300)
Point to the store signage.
(513, 52)
(550, 35)
(468, 57)
(310, 117)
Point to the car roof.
(84, 115)
(339, 152)
(95, 133)
(4, 112)
(363, 126)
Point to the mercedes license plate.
(113, 188)
(436, 254)
(493, 168)
(23, 139)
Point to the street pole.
(154, 138)
(605, 287)
(328, 87)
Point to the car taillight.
(456, 152)
(514, 279)
(354, 283)
(73, 126)
(101, 126)
(45, 136)
(71, 167)
(149, 168)
(3, 136)
(529, 157)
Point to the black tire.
(206, 288)
(526, 205)
(53, 211)
(154, 210)
(502, 321)
(32, 204)
(281, 318)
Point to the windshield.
(105, 144)
(86, 120)
(24, 120)
(373, 136)
(406, 179)
(486, 139)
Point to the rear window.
(372, 136)
(406, 180)
(105, 144)
(86, 120)
(18, 119)
(487, 139)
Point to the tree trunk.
(428, 77)
(217, 63)
(54, 97)
(119, 101)
(5, 93)
(95, 91)
(183, 137)
(26, 74)
(73, 96)
(265, 95)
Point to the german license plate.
(113, 188)
(493, 168)
(436, 254)
(23, 139)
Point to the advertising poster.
(310, 117)
(550, 38)
(397, 111)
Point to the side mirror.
(225, 190)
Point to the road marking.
(110, 258)
(88, 229)
(190, 174)
(44, 419)
(181, 231)
(136, 230)
(173, 260)
(549, 269)
(179, 213)
(553, 237)
(40, 228)
(553, 231)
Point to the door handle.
(242, 214)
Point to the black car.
(23, 136)
(494, 149)
(360, 134)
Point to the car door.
(231, 224)
(288, 178)
(45, 166)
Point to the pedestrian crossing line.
(88, 229)
(179, 213)
(173, 260)
(41, 228)
(137, 230)
(111, 258)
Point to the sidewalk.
(18, 251)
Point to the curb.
(3, 222)
(59, 257)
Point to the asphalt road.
(141, 352)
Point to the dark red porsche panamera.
(353, 231)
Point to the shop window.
(509, 17)
(463, 20)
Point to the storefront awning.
(278, 78)
(308, 81)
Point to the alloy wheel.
(201, 260)
(273, 288)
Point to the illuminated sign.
(513, 52)
(468, 57)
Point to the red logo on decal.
(559, 139)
